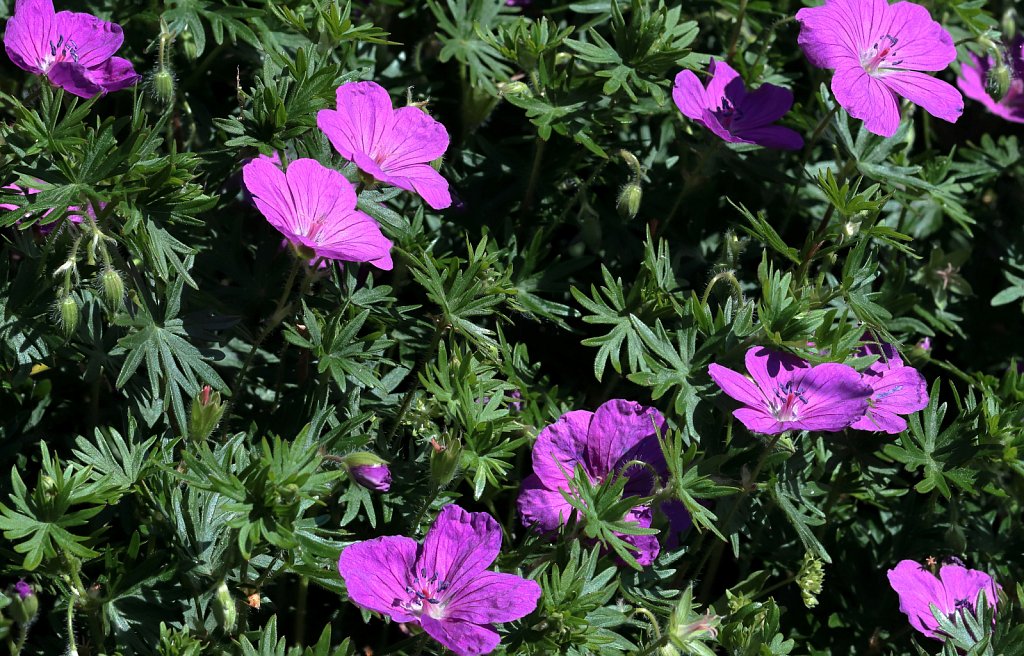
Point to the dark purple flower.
(896, 389)
(602, 443)
(973, 81)
(444, 584)
(73, 50)
(727, 109)
(372, 477)
(955, 589)
(23, 589)
(787, 393)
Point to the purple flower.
(314, 207)
(443, 584)
(725, 108)
(372, 477)
(23, 589)
(896, 389)
(925, 344)
(75, 51)
(390, 145)
(602, 443)
(878, 51)
(74, 213)
(955, 588)
(787, 393)
(973, 81)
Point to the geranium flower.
(602, 443)
(787, 393)
(314, 207)
(973, 81)
(390, 145)
(74, 214)
(878, 51)
(73, 50)
(444, 584)
(955, 589)
(725, 108)
(896, 389)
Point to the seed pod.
(112, 287)
(67, 314)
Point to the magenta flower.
(23, 589)
(602, 443)
(74, 213)
(878, 51)
(393, 146)
(372, 477)
(73, 50)
(973, 81)
(314, 207)
(955, 589)
(725, 108)
(896, 389)
(787, 393)
(444, 584)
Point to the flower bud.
(372, 477)
(810, 580)
(999, 77)
(515, 88)
(207, 410)
(112, 287)
(629, 200)
(24, 604)
(562, 58)
(1009, 23)
(161, 85)
(445, 460)
(67, 314)
(188, 45)
(224, 608)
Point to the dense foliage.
(191, 411)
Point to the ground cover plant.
(528, 327)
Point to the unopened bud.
(24, 604)
(372, 477)
(224, 608)
(112, 287)
(444, 460)
(207, 410)
(67, 314)
(1009, 22)
(188, 45)
(628, 204)
(515, 89)
(999, 78)
(161, 85)
(562, 58)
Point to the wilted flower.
(443, 584)
(955, 589)
(878, 51)
(314, 207)
(896, 389)
(727, 109)
(602, 443)
(973, 81)
(73, 50)
(787, 393)
(394, 146)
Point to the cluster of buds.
(810, 579)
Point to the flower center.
(426, 595)
(881, 55)
(315, 227)
(62, 50)
(788, 398)
(728, 114)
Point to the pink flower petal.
(363, 118)
(547, 509)
(917, 588)
(938, 98)
(736, 385)
(689, 95)
(93, 41)
(29, 33)
(868, 99)
(376, 572)
(560, 447)
(922, 44)
(493, 597)
(459, 546)
(617, 427)
(463, 638)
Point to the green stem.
(531, 186)
(280, 312)
(72, 647)
(300, 611)
(728, 276)
(736, 32)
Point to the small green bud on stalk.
(224, 608)
(515, 89)
(207, 411)
(188, 45)
(24, 604)
(999, 79)
(628, 204)
(445, 460)
(112, 287)
(67, 314)
(1009, 22)
(162, 85)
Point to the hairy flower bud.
(999, 77)
(445, 460)
(67, 314)
(188, 45)
(224, 608)
(206, 413)
(515, 88)
(24, 604)
(162, 85)
(628, 204)
(112, 287)
(1009, 22)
